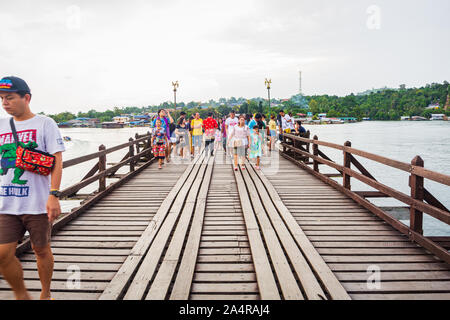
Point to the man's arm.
(170, 117)
(53, 206)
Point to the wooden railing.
(420, 200)
(99, 172)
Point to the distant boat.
(418, 118)
(405, 118)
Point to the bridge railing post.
(131, 155)
(101, 168)
(137, 144)
(294, 144)
(148, 146)
(315, 148)
(347, 164)
(417, 193)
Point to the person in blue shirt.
(298, 129)
(256, 121)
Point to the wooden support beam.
(372, 194)
(430, 199)
(131, 153)
(417, 193)
(347, 163)
(360, 167)
(101, 168)
(315, 153)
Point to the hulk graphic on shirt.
(8, 161)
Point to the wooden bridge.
(201, 230)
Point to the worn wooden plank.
(224, 288)
(387, 266)
(149, 265)
(237, 297)
(224, 277)
(224, 258)
(304, 273)
(78, 258)
(117, 286)
(334, 288)
(225, 267)
(195, 202)
(266, 282)
(395, 276)
(56, 295)
(400, 286)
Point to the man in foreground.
(28, 203)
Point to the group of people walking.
(30, 196)
(240, 136)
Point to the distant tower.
(300, 82)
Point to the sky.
(79, 55)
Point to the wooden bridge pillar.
(315, 148)
(132, 154)
(347, 163)
(417, 193)
(101, 168)
(137, 144)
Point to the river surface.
(397, 140)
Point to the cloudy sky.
(79, 54)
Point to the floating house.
(112, 125)
(437, 117)
(121, 119)
(348, 119)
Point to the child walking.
(218, 139)
(159, 143)
(256, 145)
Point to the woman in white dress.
(238, 141)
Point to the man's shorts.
(287, 130)
(13, 227)
(197, 141)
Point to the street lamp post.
(175, 86)
(268, 82)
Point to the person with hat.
(29, 201)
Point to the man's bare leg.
(11, 269)
(45, 264)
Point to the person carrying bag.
(29, 159)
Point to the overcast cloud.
(80, 55)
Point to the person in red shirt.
(210, 126)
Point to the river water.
(396, 140)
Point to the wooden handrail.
(417, 170)
(99, 171)
(415, 201)
(95, 155)
(440, 214)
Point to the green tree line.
(382, 104)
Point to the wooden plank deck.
(202, 231)
(352, 241)
(99, 240)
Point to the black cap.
(13, 84)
